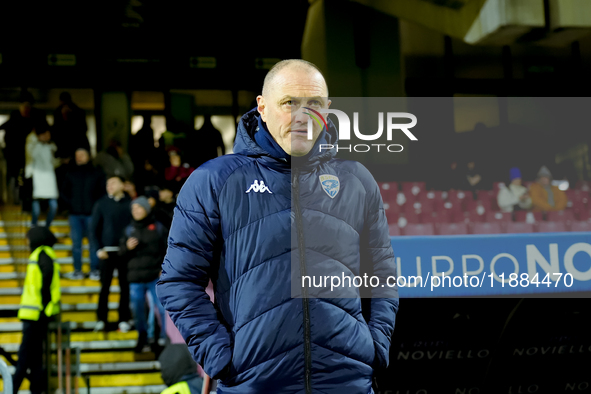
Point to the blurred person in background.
(545, 196)
(17, 128)
(69, 128)
(514, 196)
(206, 144)
(39, 302)
(162, 203)
(143, 246)
(179, 371)
(40, 166)
(81, 189)
(177, 173)
(113, 161)
(110, 216)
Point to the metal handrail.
(6, 377)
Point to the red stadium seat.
(498, 186)
(419, 229)
(487, 228)
(391, 213)
(580, 226)
(583, 185)
(436, 217)
(388, 190)
(560, 216)
(414, 189)
(474, 217)
(583, 215)
(551, 227)
(519, 227)
(456, 196)
(498, 216)
(452, 228)
(521, 216)
(410, 216)
(394, 230)
(474, 205)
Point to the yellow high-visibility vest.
(178, 388)
(31, 300)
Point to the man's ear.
(262, 107)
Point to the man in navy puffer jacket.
(241, 220)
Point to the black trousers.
(107, 269)
(30, 356)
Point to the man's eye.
(315, 103)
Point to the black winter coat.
(145, 260)
(82, 187)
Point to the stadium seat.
(498, 216)
(486, 196)
(414, 189)
(411, 216)
(583, 185)
(560, 216)
(518, 227)
(394, 230)
(498, 186)
(583, 215)
(551, 227)
(419, 229)
(452, 228)
(459, 195)
(580, 226)
(474, 205)
(521, 216)
(436, 217)
(487, 228)
(388, 190)
(475, 217)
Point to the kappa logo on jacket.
(259, 187)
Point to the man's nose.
(300, 117)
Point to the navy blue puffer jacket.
(256, 338)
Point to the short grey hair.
(268, 82)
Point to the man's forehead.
(299, 83)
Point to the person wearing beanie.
(143, 246)
(545, 196)
(514, 196)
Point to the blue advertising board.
(493, 265)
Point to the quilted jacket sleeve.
(377, 254)
(193, 254)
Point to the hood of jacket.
(246, 145)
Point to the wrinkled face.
(138, 212)
(282, 109)
(114, 186)
(82, 157)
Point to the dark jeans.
(30, 356)
(36, 211)
(138, 302)
(79, 227)
(107, 268)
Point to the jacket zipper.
(305, 303)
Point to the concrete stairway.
(107, 359)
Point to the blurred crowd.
(122, 201)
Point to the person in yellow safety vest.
(39, 302)
(179, 371)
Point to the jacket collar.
(246, 145)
